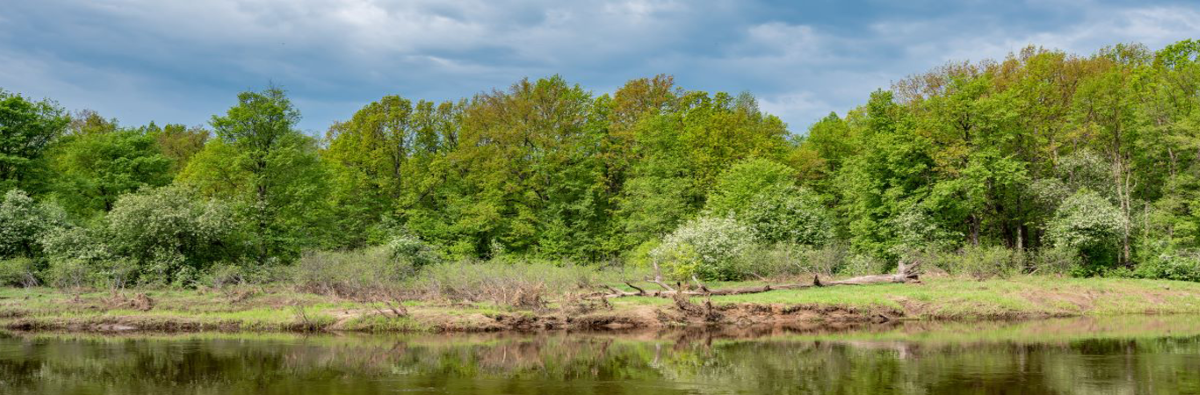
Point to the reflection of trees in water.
(583, 364)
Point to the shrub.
(69, 273)
(362, 273)
(711, 248)
(518, 284)
(788, 259)
(861, 265)
(1054, 261)
(762, 194)
(73, 255)
(980, 263)
(824, 260)
(164, 230)
(23, 222)
(410, 249)
(223, 275)
(1089, 225)
(1181, 266)
(788, 214)
(18, 272)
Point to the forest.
(1043, 162)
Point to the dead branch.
(639, 290)
(904, 274)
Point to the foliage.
(23, 223)
(78, 257)
(738, 187)
(524, 283)
(412, 250)
(1089, 225)
(27, 129)
(789, 260)
(762, 194)
(1179, 265)
(710, 248)
(93, 170)
(1081, 163)
(372, 272)
(166, 231)
(269, 171)
(18, 271)
(980, 263)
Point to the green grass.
(1016, 296)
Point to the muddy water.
(1146, 355)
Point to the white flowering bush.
(412, 250)
(168, 233)
(1089, 225)
(711, 248)
(23, 222)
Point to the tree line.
(1081, 164)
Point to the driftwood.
(904, 274)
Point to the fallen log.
(904, 274)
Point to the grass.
(951, 298)
(285, 309)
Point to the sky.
(183, 61)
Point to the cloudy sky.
(182, 61)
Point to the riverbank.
(267, 309)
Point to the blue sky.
(182, 61)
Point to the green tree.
(178, 142)
(93, 170)
(269, 170)
(27, 129)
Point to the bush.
(710, 248)
(1054, 261)
(861, 265)
(23, 223)
(18, 272)
(1088, 224)
(412, 250)
(169, 234)
(519, 284)
(74, 255)
(1181, 266)
(223, 275)
(69, 273)
(825, 260)
(980, 263)
(362, 273)
(787, 259)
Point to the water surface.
(1147, 355)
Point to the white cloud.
(154, 59)
(795, 105)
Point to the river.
(1128, 355)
